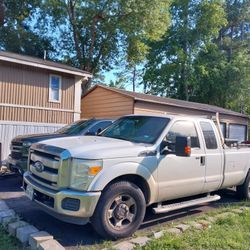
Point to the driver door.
(181, 176)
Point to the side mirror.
(99, 131)
(183, 146)
(90, 133)
(164, 148)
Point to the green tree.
(16, 34)
(95, 34)
(222, 71)
(170, 67)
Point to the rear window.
(209, 135)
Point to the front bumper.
(53, 202)
(17, 164)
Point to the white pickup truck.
(138, 161)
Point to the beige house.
(36, 96)
(106, 102)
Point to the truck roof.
(172, 116)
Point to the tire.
(120, 211)
(243, 191)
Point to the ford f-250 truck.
(138, 161)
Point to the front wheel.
(243, 190)
(120, 211)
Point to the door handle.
(203, 160)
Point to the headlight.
(25, 148)
(27, 144)
(83, 172)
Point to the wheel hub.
(121, 211)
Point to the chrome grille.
(16, 150)
(49, 176)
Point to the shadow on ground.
(71, 236)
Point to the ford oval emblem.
(39, 167)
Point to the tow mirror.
(183, 146)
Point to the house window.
(55, 83)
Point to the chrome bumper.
(87, 201)
(20, 165)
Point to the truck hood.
(33, 138)
(97, 147)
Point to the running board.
(175, 206)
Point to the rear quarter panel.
(237, 166)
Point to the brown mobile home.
(36, 96)
(106, 102)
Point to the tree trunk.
(134, 78)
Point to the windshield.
(141, 129)
(75, 128)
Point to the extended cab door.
(181, 176)
(214, 156)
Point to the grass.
(232, 232)
(7, 242)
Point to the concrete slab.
(3, 206)
(237, 211)
(141, 241)
(174, 231)
(204, 223)
(12, 227)
(183, 227)
(50, 245)
(125, 245)
(23, 233)
(9, 219)
(196, 225)
(158, 235)
(6, 213)
(37, 238)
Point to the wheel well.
(136, 180)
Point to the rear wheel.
(243, 191)
(120, 211)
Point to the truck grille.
(16, 150)
(49, 174)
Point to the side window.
(209, 135)
(182, 128)
(55, 83)
(99, 126)
(223, 127)
(237, 132)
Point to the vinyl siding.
(29, 86)
(9, 130)
(102, 103)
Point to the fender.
(110, 173)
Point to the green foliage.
(227, 233)
(95, 34)
(7, 242)
(16, 34)
(170, 68)
(205, 55)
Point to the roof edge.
(44, 66)
(126, 93)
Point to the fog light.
(71, 204)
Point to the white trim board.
(32, 64)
